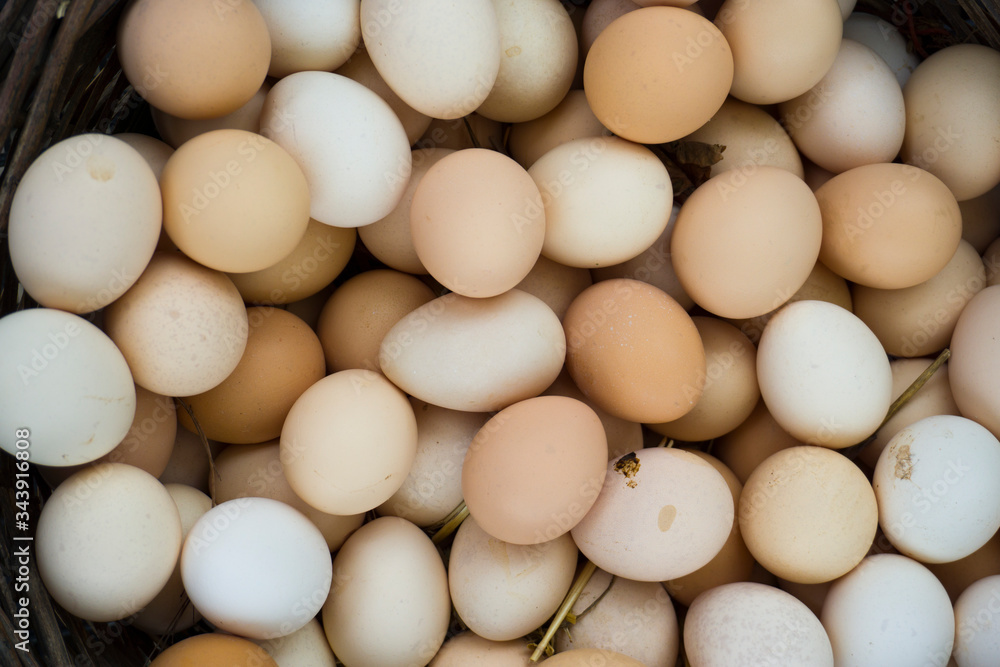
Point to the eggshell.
(390, 583)
(554, 283)
(348, 442)
(477, 222)
(584, 657)
(833, 127)
(503, 591)
(636, 619)
(182, 327)
(974, 368)
(889, 610)
(244, 471)
(539, 48)
(68, 394)
(808, 514)
(634, 351)
(570, 119)
(886, 40)
(962, 573)
(307, 646)
(256, 567)
(952, 103)
(475, 355)
(433, 487)
(918, 321)
(154, 151)
(107, 541)
(467, 648)
(662, 513)
(194, 59)
(599, 15)
(759, 436)
(723, 246)
(657, 74)
(326, 121)
(177, 131)
(802, 39)
(587, 181)
(170, 611)
(730, 390)
(747, 623)
(215, 649)
(84, 222)
(310, 35)
(449, 80)
(823, 374)
(977, 637)
(751, 136)
(934, 484)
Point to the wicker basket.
(61, 77)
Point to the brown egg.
(319, 257)
(193, 59)
(586, 657)
(214, 649)
(991, 258)
(361, 311)
(623, 436)
(176, 131)
(535, 469)
(730, 391)
(599, 15)
(571, 119)
(554, 283)
(244, 471)
(811, 595)
(960, 574)
(283, 358)
(634, 351)
(477, 222)
(751, 136)
(733, 562)
(888, 225)
(468, 648)
(188, 462)
(981, 219)
(974, 369)
(308, 309)
(657, 74)
(759, 436)
(808, 514)
(390, 239)
(726, 247)
(918, 321)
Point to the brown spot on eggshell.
(904, 463)
(666, 519)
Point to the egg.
(977, 639)
(662, 513)
(68, 393)
(725, 245)
(808, 514)
(959, 574)
(305, 646)
(107, 540)
(570, 119)
(759, 436)
(348, 442)
(973, 368)
(599, 14)
(554, 283)
(470, 131)
(84, 222)
(503, 591)
(390, 583)
(215, 649)
(310, 35)
(886, 40)
(469, 648)
(583, 657)
(889, 610)
(176, 131)
(267, 596)
(657, 74)
(189, 462)
(154, 151)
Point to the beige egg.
(976, 638)
(453, 78)
(733, 562)
(389, 582)
(84, 222)
(170, 611)
(177, 131)
(475, 355)
(634, 618)
(503, 591)
(751, 136)
(811, 595)
(361, 69)
(554, 283)
(471, 131)
(193, 59)
(808, 514)
(155, 152)
(570, 119)
(759, 436)
(662, 513)
(598, 16)
(348, 442)
(952, 103)
(974, 368)
(468, 648)
(832, 129)
(305, 646)
(815, 175)
(730, 390)
(477, 222)
(433, 488)
(189, 464)
(361, 311)
(107, 540)
(326, 121)
(918, 321)
(538, 61)
(182, 327)
(310, 35)
(886, 40)
(760, 623)
(584, 657)
(765, 72)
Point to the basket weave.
(61, 77)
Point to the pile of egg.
(543, 318)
